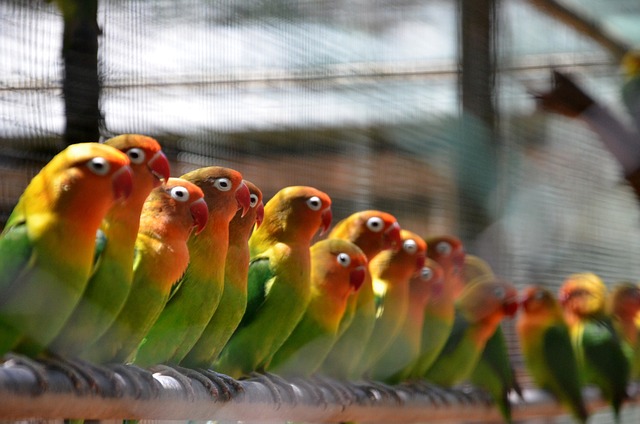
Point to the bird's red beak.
(122, 182)
(392, 238)
(159, 166)
(259, 214)
(510, 306)
(200, 214)
(327, 217)
(243, 197)
(356, 277)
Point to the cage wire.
(357, 98)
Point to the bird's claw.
(39, 370)
(220, 385)
(175, 372)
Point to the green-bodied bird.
(448, 251)
(279, 278)
(195, 298)
(169, 215)
(337, 272)
(111, 280)
(424, 284)
(599, 352)
(391, 270)
(372, 231)
(494, 371)
(233, 303)
(47, 246)
(624, 308)
(479, 310)
(547, 350)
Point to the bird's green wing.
(15, 254)
(260, 274)
(563, 371)
(494, 372)
(607, 366)
(460, 324)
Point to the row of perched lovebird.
(106, 259)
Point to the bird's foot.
(221, 386)
(314, 390)
(141, 381)
(436, 394)
(38, 369)
(86, 377)
(341, 392)
(276, 385)
(176, 373)
(376, 390)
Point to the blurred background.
(419, 108)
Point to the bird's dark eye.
(375, 224)
(222, 184)
(499, 292)
(99, 166)
(443, 248)
(344, 259)
(179, 193)
(314, 203)
(136, 155)
(410, 246)
(253, 200)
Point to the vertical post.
(476, 142)
(81, 84)
(477, 59)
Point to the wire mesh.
(358, 98)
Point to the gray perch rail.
(57, 390)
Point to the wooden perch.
(582, 24)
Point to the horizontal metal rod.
(52, 391)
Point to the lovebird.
(372, 231)
(112, 276)
(233, 302)
(494, 371)
(475, 267)
(601, 359)
(623, 308)
(391, 270)
(47, 246)
(547, 350)
(448, 251)
(479, 310)
(424, 284)
(337, 272)
(169, 215)
(279, 278)
(195, 298)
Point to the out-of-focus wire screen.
(358, 98)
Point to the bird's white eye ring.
(314, 203)
(343, 259)
(136, 155)
(179, 193)
(426, 273)
(253, 200)
(99, 166)
(499, 292)
(375, 224)
(222, 184)
(410, 246)
(444, 248)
